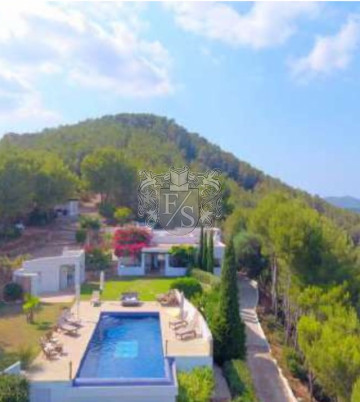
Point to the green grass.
(147, 288)
(17, 337)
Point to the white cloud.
(18, 101)
(97, 45)
(266, 24)
(330, 53)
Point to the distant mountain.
(347, 202)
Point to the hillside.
(347, 202)
(157, 143)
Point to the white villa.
(52, 274)
(156, 258)
(83, 372)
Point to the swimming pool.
(125, 348)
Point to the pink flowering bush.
(129, 241)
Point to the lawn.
(17, 337)
(147, 288)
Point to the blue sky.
(277, 84)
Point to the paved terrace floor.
(74, 346)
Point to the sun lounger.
(73, 322)
(95, 298)
(189, 331)
(49, 350)
(66, 328)
(130, 299)
(69, 318)
(179, 322)
(168, 299)
(49, 337)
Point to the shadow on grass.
(44, 325)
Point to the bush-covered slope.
(157, 143)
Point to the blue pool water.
(124, 346)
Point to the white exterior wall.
(64, 391)
(175, 271)
(130, 271)
(48, 270)
(188, 363)
(73, 208)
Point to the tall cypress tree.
(229, 330)
(210, 253)
(200, 249)
(205, 251)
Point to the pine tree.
(229, 330)
(210, 253)
(204, 251)
(200, 249)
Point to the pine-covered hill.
(154, 142)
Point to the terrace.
(45, 374)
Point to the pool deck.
(58, 369)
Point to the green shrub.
(80, 236)
(189, 286)
(89, 222)
(26, 355)
(13, 388)
(182, 256)
(122, 215)
(239, 380)
(355, 396)
(10, 233)
(204, 277)
(294, 364)
(13, 291)
(97, 259)
(107, 210)
(196, 385)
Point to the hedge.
(205, 277)
(189, 286)
(13, 291)
(13, 388)
(196, 385)
(239, 380)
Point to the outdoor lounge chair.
(50, 338)
(168, 299)
(66, 328)
(179, 322)
(130, 299)
(189, 331)
(95, 298)
(69, 319)
(50, 351)
(73, 322)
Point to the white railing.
(13, 369)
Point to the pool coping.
(169, 363)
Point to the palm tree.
(29, 307)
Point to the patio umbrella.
(77, 299)
(182, 305)
(102, 279)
